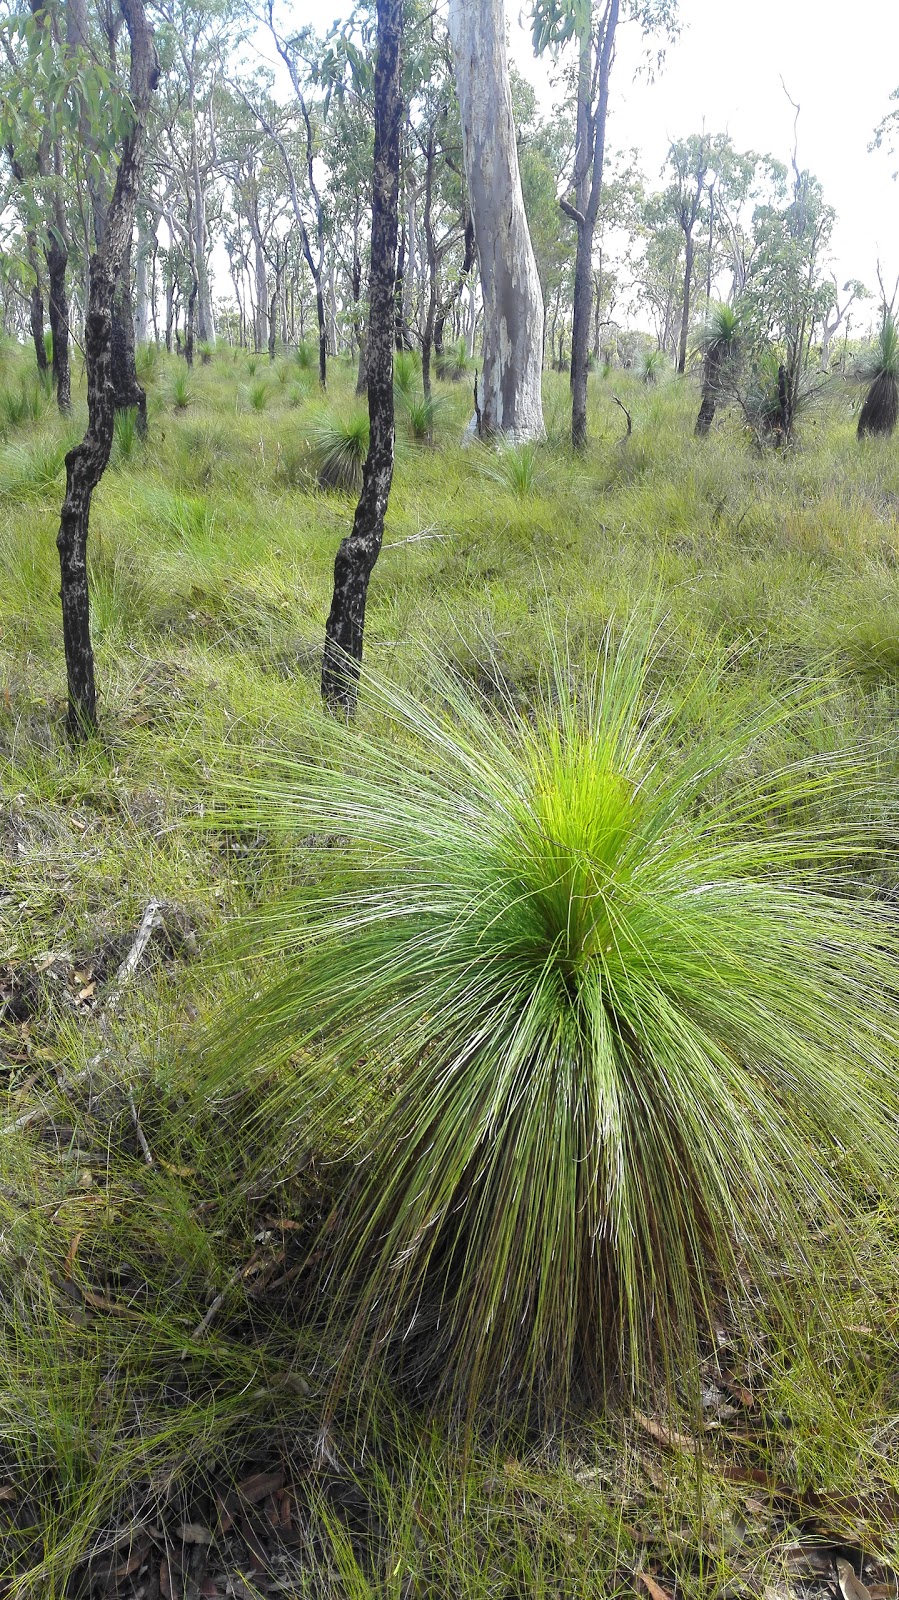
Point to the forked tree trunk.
(86, 463)
(360, 549)
(511, 399)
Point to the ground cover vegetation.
(450, 1106)
(168, 1338)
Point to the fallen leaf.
(194, 1533)
(655, 1589)
(669, 1437)
(8, 1491)
(87, 992)
(71, 1253)
(260, 1485)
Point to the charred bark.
(360, 549)
(57, 257)
(127, 390)
(36, 320)
(86, 463)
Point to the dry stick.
(151, 919)
(626, 413)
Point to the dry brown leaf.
(655, 1589)
(669, 1437)
(8, 1491)
(71, 1253)
(260, 1485)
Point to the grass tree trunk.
(511, 398)
(86, 463)
(360, 549)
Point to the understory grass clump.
(620, 1020)
(340, 445)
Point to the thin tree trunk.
(86, 463)
(360, 549)
(58, 309)
(685, 306)
(36, 311)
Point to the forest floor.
(159, 1372)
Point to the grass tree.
(880, 410)
(618, 1011)
(718, 344)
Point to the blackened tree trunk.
(57, 257)
(128, 391)
(360, 549)
(36, 319)
(86, 463)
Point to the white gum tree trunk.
(510, 399)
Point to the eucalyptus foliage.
(603, 1009)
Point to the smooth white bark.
(510, 398)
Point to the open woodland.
(449, 1092)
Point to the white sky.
(839, 62)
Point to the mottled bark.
(511, 399)
(360, 549)
(86, 463)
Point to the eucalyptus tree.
(196, 38)
(591, 27)
(38, 134)
(359, 551)
(300, 50)
(511, 400)
(122, 117)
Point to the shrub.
(339, 447)
(304, 356)
(260, 394)
(622, 1028)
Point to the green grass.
(211, 558)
